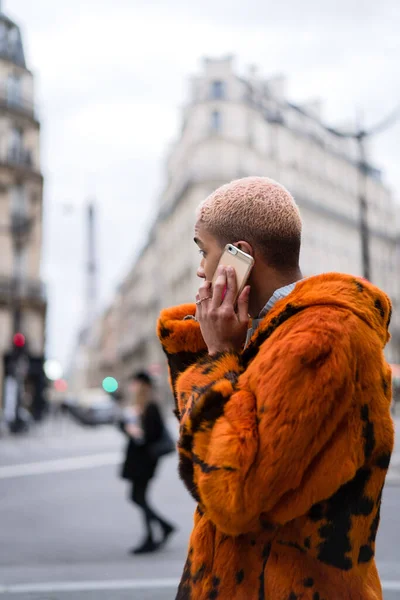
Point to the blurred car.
(92, 407)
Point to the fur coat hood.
(285, 446)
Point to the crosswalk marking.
(122, 584)
(83, 586)
(60, 464)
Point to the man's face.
(210, 250)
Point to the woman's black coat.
(138, 462)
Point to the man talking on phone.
(283, 397)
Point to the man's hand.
(223, 328)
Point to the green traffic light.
(110, 385)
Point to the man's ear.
(245, 247)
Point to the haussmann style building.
(232, 127)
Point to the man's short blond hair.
(257, 210)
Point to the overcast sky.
(111, 76)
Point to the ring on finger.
(202, 300)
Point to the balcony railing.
(19, 158)
(26, 289)
(16, 102)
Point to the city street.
(66, 525)
(269, 131)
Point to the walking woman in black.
(144, 426)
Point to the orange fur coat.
(285, 446)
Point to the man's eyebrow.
(198, 242)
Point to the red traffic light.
(19, 340)
(60, 385)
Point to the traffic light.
(110, 385)
(19, 340)
(60, 385)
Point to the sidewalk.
(58, 437)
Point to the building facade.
(22, 294)
(236, 126)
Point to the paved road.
(66, 525)
(153, 594)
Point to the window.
(3, 37)
(18, 201)
(217, 90)
(216, 121)
(13, 39)
(15, 144)
(13, 89)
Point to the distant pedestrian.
(144, 426)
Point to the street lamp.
(363, 169)
(53, 369)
